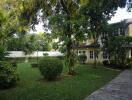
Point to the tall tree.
(2, 36)
(29, 45)
(98, 13)
(61, 12)
(118, 48)
(8, 23)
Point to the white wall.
(15, 54)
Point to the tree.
(8, 24)
(118, 48)
(63, 23)
(2, 21)
(44, 41)
(29, 45)
(3, 36)
(61, 12)
(62, 15)
(98, 13)
(55, 46)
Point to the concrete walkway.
(119, 88)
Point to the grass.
(32, 87)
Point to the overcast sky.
(121, 14)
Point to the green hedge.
(50, 68)
(8, 75)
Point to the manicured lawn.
(32, 87)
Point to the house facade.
(123, 28)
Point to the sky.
(120, 15)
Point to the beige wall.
(130, 30)
(99, 59)
(130, 34)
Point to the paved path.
(119, 88)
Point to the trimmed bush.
(82, 58)
(115, 65)
(106, 63)
(8, 75)
(50, 68)
(130, 65)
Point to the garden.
(32, 85)
(67, 25)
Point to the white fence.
(17, 54)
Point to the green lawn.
(32, 87)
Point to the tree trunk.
(69, 58)
(95, 54)
(68, 34)
(26, 59)
(95, 59)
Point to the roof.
(87, 46)
(128, 46)
(123, 22)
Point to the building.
(123, 28)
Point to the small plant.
(113, 62)
(82, 58)
(50, 68)
(8, 75)
(106, 63)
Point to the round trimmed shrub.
(8, 75)
(50, 68)
(82, 58)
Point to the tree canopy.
(71, 20)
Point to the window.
(82, 52)
(91, 54)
